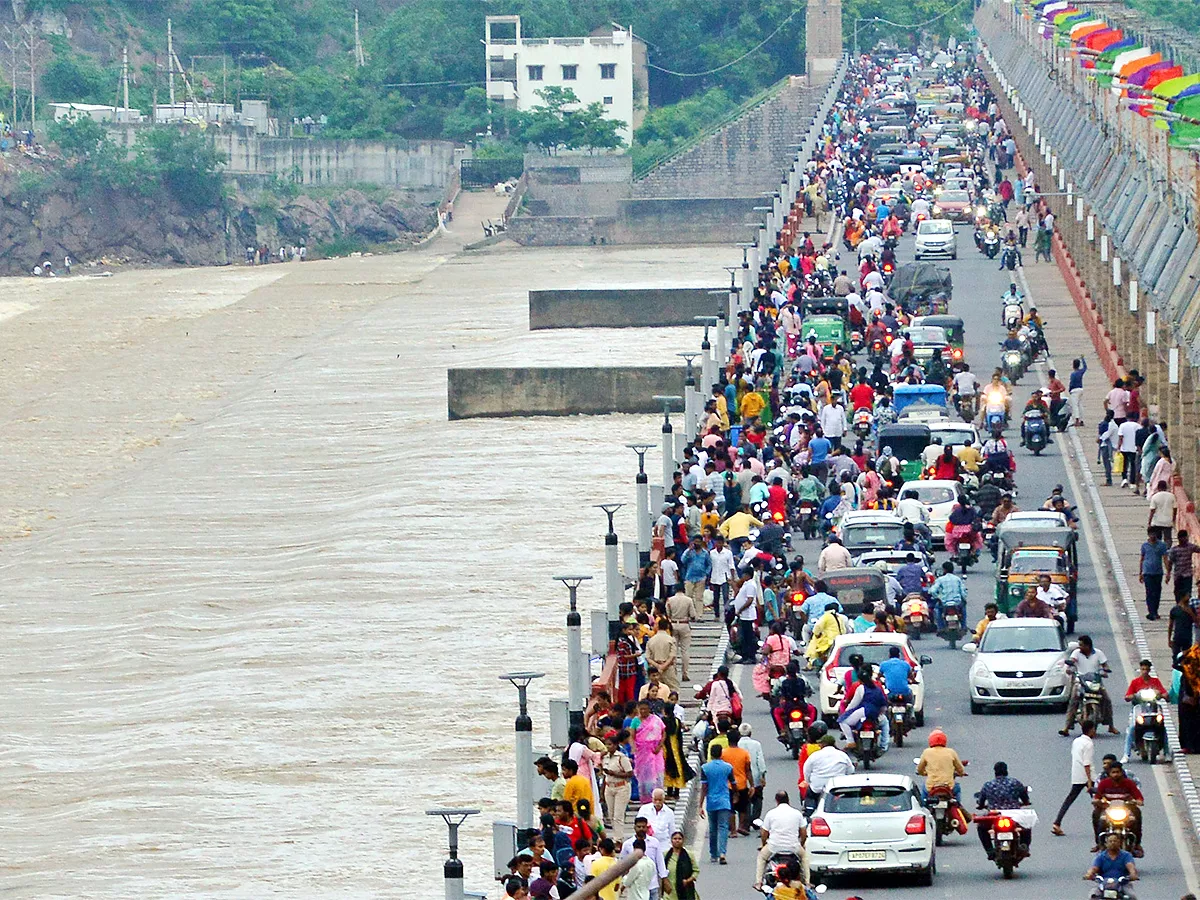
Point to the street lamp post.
(690, 413)
(524, 733)
(709, 363)
(577, 674)
(453, 868)
(668, 440)
(614, 584)
(643, 504)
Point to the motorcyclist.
(1012, 342)
(876, 331)
(1144, 681)
(940, 765)
(794, 692)
(996, 395)
(1084, 660)
(967, 385)
(963, 522)
(947, 467)
(911, 575)
(949, 590)
(1115, 786)
(867, 702)
(912, 511)
(1001, 793)
(1036, 403)
(1032, 317)
(1012, 295)
(1113, 862)
(892, 227)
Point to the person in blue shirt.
(949, 589)
(896, 674)
(819, 447)
(814, 607)
(716, 784)
(828, 505)
(911, 575)
(1113, 862)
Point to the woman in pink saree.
(649, 758)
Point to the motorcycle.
(991, 244)
(1149, 733)
(863, 422)
(899, 711)
(1009, 258)
(1111, 888)
(856, 341)
(878, 352)
(944, 808)
(1010, 841)
(776, 862)
(1037, 433)
(1091, 696)
(1012, 315)
(914, 610)
(1117, 818)
(1037, 340)
(1060, 414)
(866, 743)
(954, 630)
(1012, 365)
(965, 403)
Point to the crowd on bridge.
(788, 441)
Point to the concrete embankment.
(553, 391)
(621, 307)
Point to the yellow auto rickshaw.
(1032, 548)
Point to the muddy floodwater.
(255, 590)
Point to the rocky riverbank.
(41, 219)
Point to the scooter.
(914, 610)
(1037, 433)
(1011, 317)
(1060, 414)
(1110, 888)
(995, 419)
(856, 341)
(965, 404)
(1012, 365)
(808, 519)
(1010, 258)
(863, 422)
(1149, 733)
(991, 244)
(776, 862)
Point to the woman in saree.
(649, 757)
(677, 771)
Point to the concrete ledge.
(553, 391)
(621, 307)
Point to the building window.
(535, 73)
(570, 73)
(608, 101)
(608, 71)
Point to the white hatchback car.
(874, 649)
(939, 497)
(1020, 661)
(935, 237)
(871, 823)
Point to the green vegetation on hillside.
(425, 60)
(1184, 14)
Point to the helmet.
(937, 738)
(817, 731)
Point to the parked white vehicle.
(874, 650)
(1020, 661)
(871, 823)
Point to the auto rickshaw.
(952, 325)
(919, 401)
(907, 441)
(830, 331)
(856, 586)
(1029, 550)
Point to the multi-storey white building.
(599, 69)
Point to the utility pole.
(359, 59)
(10, 42)
(125, 76)
(171, 62)
(32, 81)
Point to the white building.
(96, 112)
(598, 69)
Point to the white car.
(871, 823)
(874, 649)
(863, 530)
(954, 433)
(1020, 661)
(939, 497)
(935, 237)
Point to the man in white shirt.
(1128, 448)
(654, 852)
(640, 882)
(758, 759)
(834, 556)
(1087, 660)
(873, 280)
(875, 301)
(1083, 751)
(912, 510)
(826, 763)
(745, 607)
(833, 422)
(783, 831)
(660, 816)
(722, 570)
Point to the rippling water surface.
(253, 632)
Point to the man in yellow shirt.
(752, 406)
(969, 457)
(577, 787)
(601, 864)
(940, 765)
(990, 613)
(722, 406)
(737, 526)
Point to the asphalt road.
(1027, 739)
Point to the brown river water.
(256, 589)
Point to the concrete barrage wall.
(745, 157)
(546, 391)
(700, 220)
(576, 185)
(622, 307)
(406, 164)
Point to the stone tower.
(823, 37)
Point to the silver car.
(935, 237)
(1020, 661)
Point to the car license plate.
(1020, 684)
(867, 855)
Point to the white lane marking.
(1188, 787)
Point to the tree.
(91, 159)
(555, 125)
(596, 130)
(185, 162)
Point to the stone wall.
(576, 185)
(745, 157)
(531, 391)
(622, 307)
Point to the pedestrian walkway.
(1126, 512)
